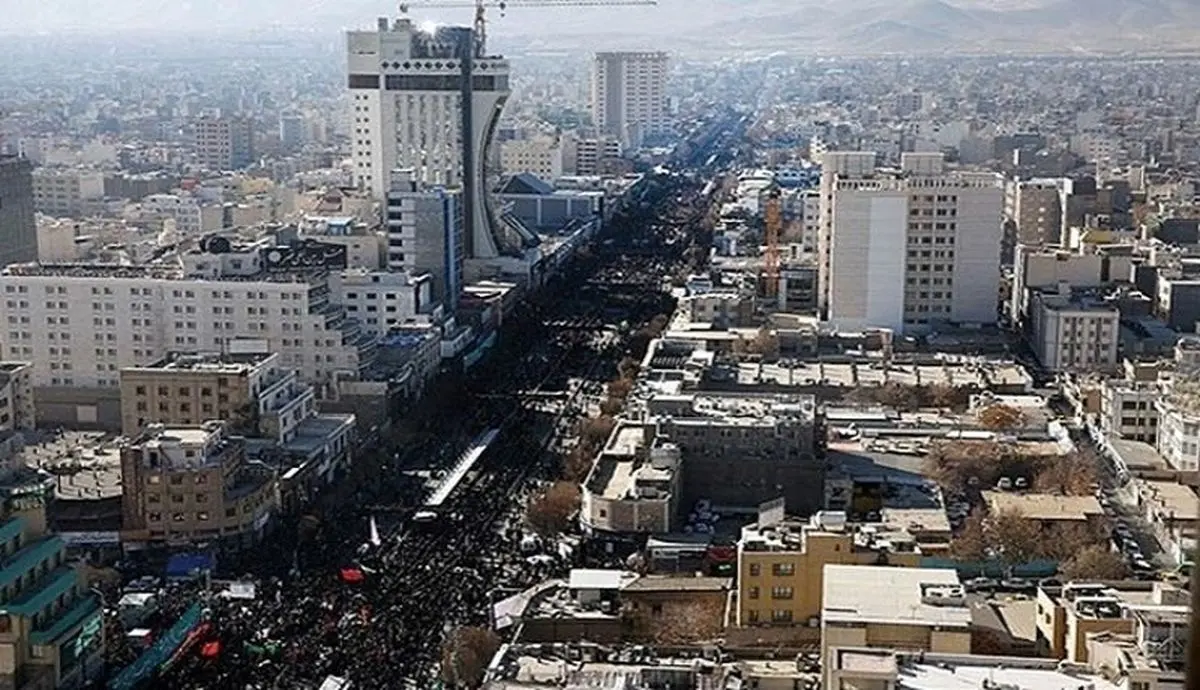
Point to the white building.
(425, 232)
(16, 396)
(585, 156)
(410, 101)
(629, 94)
(542, 156)
(1072, 333)
(66, 192)
(80, 324)
(909, 249)
(380, 300)
(223, 143)
(185, 210)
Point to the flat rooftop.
(1044, 506)
(1177, 500)
(214, 362)
(888, 595)
(940, 675)
(88, 464)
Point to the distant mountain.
(730, 26)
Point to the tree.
(620, 388)
(628, 368)
(1017, 539)
(659, 324)
(577, 464)
(612, 407)
(466, 654)
(550, 514)
(765, 343)
(595, 431)
(1000, 417)
(1094, 562)
(1074, 474)
(946, 395)
(971, 543)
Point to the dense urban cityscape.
(451, 354)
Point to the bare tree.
(550, 514)
(1073, 474)
(1000, 417)
(466, 653)
(1094, 563)
(971, 543)
(765, 343)
(619, 388)
(1017, 539)
(628, 368)
(578, 463)
(595, 431)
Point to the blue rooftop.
(28, 558)
(60, 581)
(75, 615)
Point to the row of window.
(777, 616)
(777, 569)
(776, 593)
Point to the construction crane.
(773, 217)
(482, 6)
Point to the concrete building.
(293, 130)
(912, 248)
(425, 234)
(18, 229)
(1068, 615)
(870, 606)
(365, 243)
(629, 94)
(184, 389)
(541, 156)
(419, 103)
(1047, 509)
(1179, 424)
(187, 212)
(1073, 332)
(66, 191)
(380, 300)
(17, 410)
(223, 143)
(1127, 409)
(1038, 210)
(590, 155)
(781, 566)
(191, 484)
(634, 485)
(903, 669)
(1039, 268)
(1178, 303)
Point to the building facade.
(629, 94)
(1038, 209)
(17, 410)
(223, 143)
(541, 156)
(380, 300)
(910, 249)
(18, 229)
(425, 233)
(1073, 334)
(428, 102)
(66, 192)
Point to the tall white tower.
(629, 94)
(427, 102)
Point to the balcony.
(70, 617)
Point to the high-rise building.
(292, 128)
(18, 230)
(1038, 210)
(425, 233)
(428, 102)
(629, 94)
(912, 248)
(223, 143)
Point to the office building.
(629, 95)
(1072, 331)
(18, 229)
(188, 484)
(909, 249)
(781, 565)
(872, 606)
(430, 103)
(541, 156)
(66, 192)
(425, 233)
(380, 300)
(79, 325)
(223, 143)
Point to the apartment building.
(541, 156)
(1073, 331)
(18, 228)
(187, 212)
(364, 243)
(188, 389)
(66, 191)
(425, 234)
(781, 566)
(380, 300)
(1038, 210)
(903, 669)
(187, 484)
(17, 409)
(223, 143)
(79, 325)
(1178, 410)
(1128, 409)
(633, 486)
(871, 606)
(1071, 616)
(629, 94)
(587, 156)
(910, 249)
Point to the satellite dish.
(274, 256)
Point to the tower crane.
(482, 6)
(773, 217)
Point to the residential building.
(540, 155)
(634, 484)
(428, 102)
(380, 300)
(629, 94)
(18, 229)
(365, 243)
(293, 130)
(425, 234)
(17, 410)
(189, 484)
(871, 606)
(1047, 509)
(1178, 303)
(781, 566)
(1127, 409)
(188, 389)
(912, 248)
(1038, 210)
(909, 103)
(1040, 268)
(904, 669)
(1179, 423)
(1072, 331)
(223, 143)
(66, 191)
(587, 156)
(187, 212)
(1070, 614)
(80, 324)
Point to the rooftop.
(972, 673)
(899, 596)
(224, 362)
(1044, 506)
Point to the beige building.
(633, 486)
(1046, 509)
(17, 410)
(781, 567)
(629, 94)
(188, 484)
(1072, 332)
(917, 609)
(223, 143)
(541, 156)
(1069, 615)
(66, 192)
(189, 389)
(903, 669)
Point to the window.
(783, 569)
(781, 616)
(176, 479)
(781, 593)
(154, 517)
(755, 570)
(752, 593)
(177, 517)
(202, 516)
